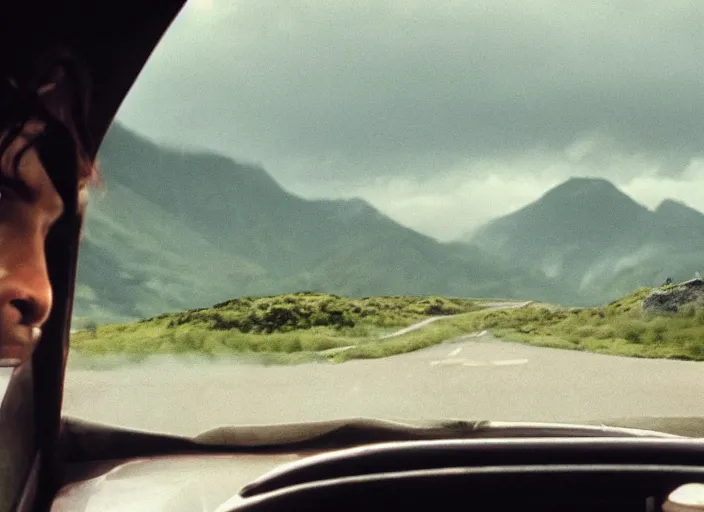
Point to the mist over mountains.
(597, 241)
(176, 230)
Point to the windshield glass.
(402, 210)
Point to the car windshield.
(405, 210)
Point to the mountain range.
(174, 230)
(597, 241)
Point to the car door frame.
(94, 32)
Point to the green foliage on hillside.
(284, 324)
(304, 327)
(286, 313)
(619, 328)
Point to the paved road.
(433, 319)
(506, 304)
(473, 378)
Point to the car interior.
(351, 466)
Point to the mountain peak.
(672, 205)
(584, 186)
(585, 215)
(588, 181)
(585, 195)
(676, 213)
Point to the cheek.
(8, 248)
(4, 265)
(21, 236)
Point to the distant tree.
(91, 327)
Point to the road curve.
(415, 327)
(432, 319)
(428, 321)
(472, 378)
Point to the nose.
(25, 289)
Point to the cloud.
(332, 96)
(651, 190)
(447, 206)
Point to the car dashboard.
(532, 469)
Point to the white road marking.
(416, 326)
(455, 352)
(468, 337)
(509, 362)
(331, 351)
(471, 363)
(447, 362)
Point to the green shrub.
(586, 331)
(688, 311)
(606, 332)
(695, 349)
(679, 338)
(633, 335)
(574, 339)
(91, 328)
(657, 333)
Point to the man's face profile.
(29, 206)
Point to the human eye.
(13, 189)
(6, 193)
(8, 198)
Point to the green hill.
(306, 327)
(285, 328)
(176, 230)
(136, 261)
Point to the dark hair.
(51, 87)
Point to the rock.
(672, 299)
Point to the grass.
(619, 328)
(282, 329)
(298, 327)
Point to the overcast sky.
(442, 114)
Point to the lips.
(9, 362)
